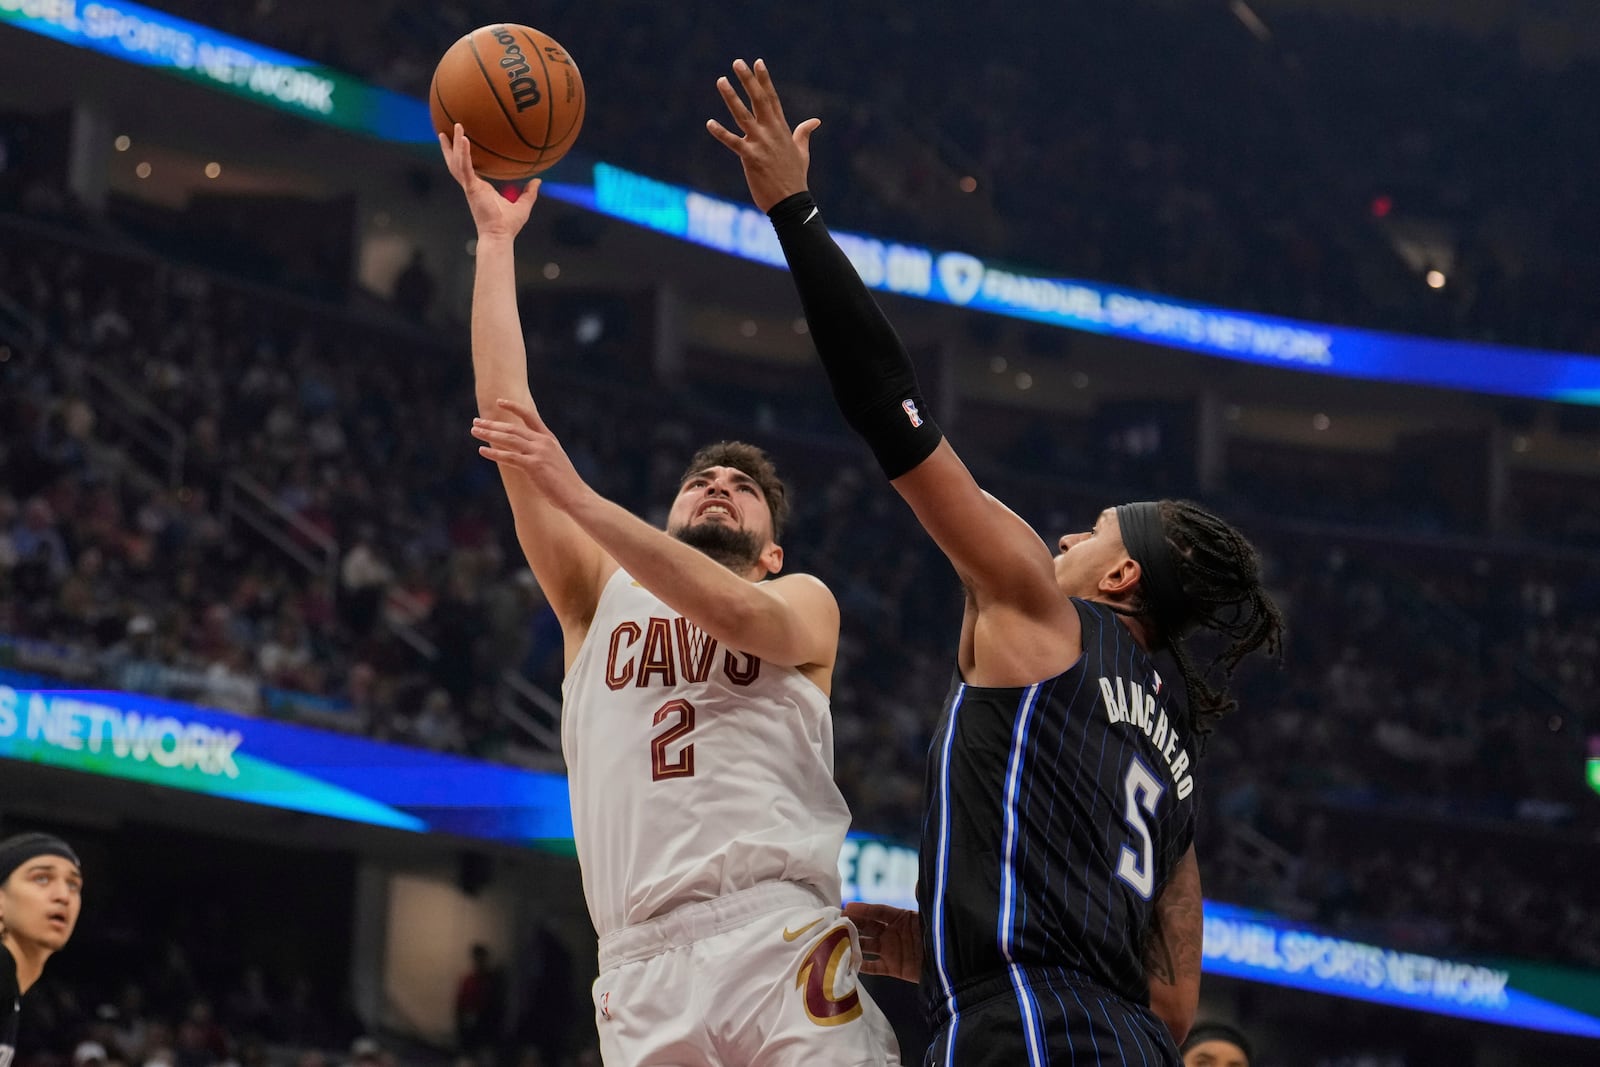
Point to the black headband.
(15, 851)
(1146, 541)
(1200, 1033)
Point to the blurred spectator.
(414, 288)
(480, 1005)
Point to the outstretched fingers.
(526, 412)
(760, 106)
(763, 96)
(803, 132)
(735, 104)
(502, 432)
(730, 140)
(461, 149)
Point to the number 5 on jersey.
(681, 765)
(1141, 791)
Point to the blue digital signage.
(151, 38)
(961, 280)
(167, 743)
(1265, 948)
(257, 761)
(147, 37)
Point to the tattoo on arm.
(1173, 941)
(1157, 956)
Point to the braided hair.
(1220, 575)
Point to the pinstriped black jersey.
(1056, 814)
(10, 1007)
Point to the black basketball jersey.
(1056, 812)
(10, 1007)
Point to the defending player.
(41, 894)
(695, 727)
(1059, 893)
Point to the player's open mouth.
(716, 509)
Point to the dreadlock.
(1221, 578)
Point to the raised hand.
(891, 939)
(492, 213)
(775, 157)
(523, 441)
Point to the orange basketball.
(516, 93)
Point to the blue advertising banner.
(141, 35)
(167, 743)
(164, 742)
(961, 280)
(151, 38)
(1265, 948)
(1261, 947)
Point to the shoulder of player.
(804, 587)
(808, 597)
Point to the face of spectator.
(1216, 1053)
(37, 515)
(39, 903)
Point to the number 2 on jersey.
(1142, 790)
(681, 765)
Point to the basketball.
(516, 93)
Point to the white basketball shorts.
(765, 977)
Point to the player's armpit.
(1172, 948)
(997, 555)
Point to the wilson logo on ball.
(524, 90)
(517, 94)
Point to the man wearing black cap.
(1213, 1044)
(1059, 917)
(41, 892)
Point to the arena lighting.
(147, 37)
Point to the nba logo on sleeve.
(910, 407)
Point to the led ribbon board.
(1260, 947)
(961, 280)
(151, 38)
(1265, 948)
(166, 743)
(218, 60)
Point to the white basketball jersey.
(695, 770)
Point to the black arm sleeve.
(867, 365)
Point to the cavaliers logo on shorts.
(817, 974)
